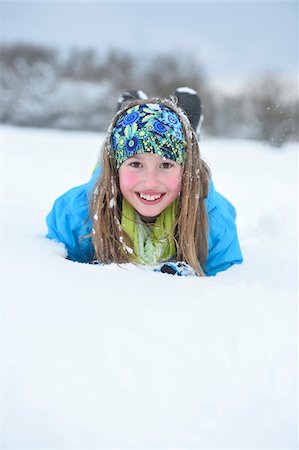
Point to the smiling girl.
(151, 200)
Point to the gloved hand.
(179, 268)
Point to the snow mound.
(119, 356)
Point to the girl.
(150, 201)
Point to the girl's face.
(150, 183)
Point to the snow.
(186, 90)
(142, 94)
(107, 356)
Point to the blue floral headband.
(150, 128)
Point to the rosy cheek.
(174, 183)
(127, 180)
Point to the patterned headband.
(150, 128)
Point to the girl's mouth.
(150, 199)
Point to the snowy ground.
(121, 357)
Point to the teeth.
(150, 197)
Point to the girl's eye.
(135, 164)
(166, 165)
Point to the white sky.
(233, 40)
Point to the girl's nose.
(151, 179)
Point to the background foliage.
(79, 90)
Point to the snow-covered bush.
(40, 88)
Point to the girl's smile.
(150, 183)
(150, 198)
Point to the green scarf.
(152, 243)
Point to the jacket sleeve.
(69, 222)
(224, 248)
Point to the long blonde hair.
(190, 230)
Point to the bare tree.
(39, 88)
(272, 110)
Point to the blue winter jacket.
(69, 221)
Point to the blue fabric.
(69, 221)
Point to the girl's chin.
(149, 213)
